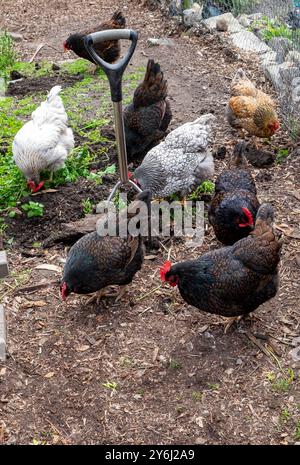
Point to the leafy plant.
(197, 396)
(175, 364)
(207, 187)
(213, 386)
(281, 155)
(284, 416)
(87, 206)
(282, 383)
(7, 54)
(33, 209)
(110, 385)
(297, 432)
(97, 177)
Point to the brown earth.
(179, 378)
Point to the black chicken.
(147, 118)
(234, 206)
(95, 262)
(233, 280)
(109, 50)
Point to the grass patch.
(281, 155)
(283, 382)
(175, 364)
(7, 55)
(110, 385)
(87, 206)
(89, 108)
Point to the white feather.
(181, 162)
(45, 141)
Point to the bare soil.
(178, 378)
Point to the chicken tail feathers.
(240, 74)
(119, 19)
(238, 159)
(154, 87)
(53, 93)
(265, 214)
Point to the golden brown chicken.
(109, 50)
(251, 109)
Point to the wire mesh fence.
(271, 28)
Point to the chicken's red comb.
(63, 290)
(130, 175)
(248, 215)
(164, 269)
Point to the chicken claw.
(229, 322)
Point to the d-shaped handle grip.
(114, 72)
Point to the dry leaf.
(49, 267)
(49, 375)
(150, 257)
(2, 371)
(34, 303)
(82, 348)
(155, 354)
(295, 194)
(298, 259)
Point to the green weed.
(175, 364)
(33, 209)
(7, 55)
(87, 206)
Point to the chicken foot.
(229, 322)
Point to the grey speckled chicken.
(181, 162)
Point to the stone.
(244, 21)
(295, 354)
(15, 75)
(273, 74)
(222, 25)
(210, 11)
(281, 46)
(248, 41)
(2, 334)
(15, 36)
(55, 67)
(269, 58)
(200, 441)
(155, 42)
(233, 24)
(288, 72)
(293, 57)
(192, 15)
(3, 264)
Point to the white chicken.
(179, 163)
(45, 141)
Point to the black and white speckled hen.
(234, 206)
(147, 118)
(109, 50)
(95, 262)
(181, 162)
(233, 280)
